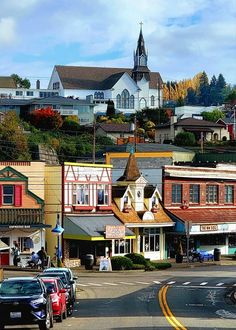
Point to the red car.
(58, 297)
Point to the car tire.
(60, 317)
(46, 324)
(70, 309)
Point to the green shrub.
(138, 266)
(121, 263)
(162, 265)
(136, 258)
(150, 266)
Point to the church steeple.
(140, 69)
(131, 172)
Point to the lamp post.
(58, 230)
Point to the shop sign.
(115, 232)
(19, 226)
(209, 228)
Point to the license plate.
(15, 315)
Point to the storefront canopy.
(91, 227)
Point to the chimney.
(38, 84)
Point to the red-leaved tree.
(46, 118)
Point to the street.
(180, 299)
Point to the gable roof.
(7, 82)
(131, 172)
(115, 128)
(197, 122)
(97, 78)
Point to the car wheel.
(45, 325)
(70, 309)
(60, 317)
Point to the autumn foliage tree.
(46, 118)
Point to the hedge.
(121, 263)
(136, 258)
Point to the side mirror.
(75, 278)
(72, 282)
(50, 290)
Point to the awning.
(91, 228)
(3, 246)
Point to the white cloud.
(7, 31)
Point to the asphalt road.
(180, 299)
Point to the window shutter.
(18, 195)
(0, 195)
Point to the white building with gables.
(130, 89)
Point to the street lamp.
(58, 230)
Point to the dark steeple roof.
(140, 69)
(131, 172)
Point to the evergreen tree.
(204, 89)
(191, 98)
(213, 91)
(20, 82)
(110, 109)
(221, 88)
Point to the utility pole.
(94, 139)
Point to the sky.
(183, 37)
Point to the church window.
(152, 100)
(125, 99)
(131, 104)
(142, 60)
(96, 95)
(101, 95)
(118, 101)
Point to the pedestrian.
(33, 262)
(42, 256)
(16, 254)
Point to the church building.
(131, 89)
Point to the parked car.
(69, 274)
(58, 295)
(67, 285)
(25, 300)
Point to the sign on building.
(113, 232)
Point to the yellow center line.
(166, 310)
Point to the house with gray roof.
(130, 89)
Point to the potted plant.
(179, 253)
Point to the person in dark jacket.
(42, 256)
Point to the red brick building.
(205, 198)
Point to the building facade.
(203, 201)
(21, 208)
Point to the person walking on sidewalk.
(42, 256)
(16, 254)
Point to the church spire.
(140, 69)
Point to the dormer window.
(126, 199)
(8, 195)
(154, 201)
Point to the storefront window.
(218, 239)
(151, 240)
(232, 240)
(229, 194)
(122, 246)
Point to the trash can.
(217, 254)
(88, 261)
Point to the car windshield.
(59, 271)
(51, 286)
(20, 288)
(62, 276)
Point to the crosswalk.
(160, 283)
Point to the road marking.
(171, 282)
(142, 283)
(96, 284)
(203, 283)
(108, 283)
(82, 285)
(219, 284)
(126, 283)
(157, 282)
(186, 283)
(166, 310)
(195, 305)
